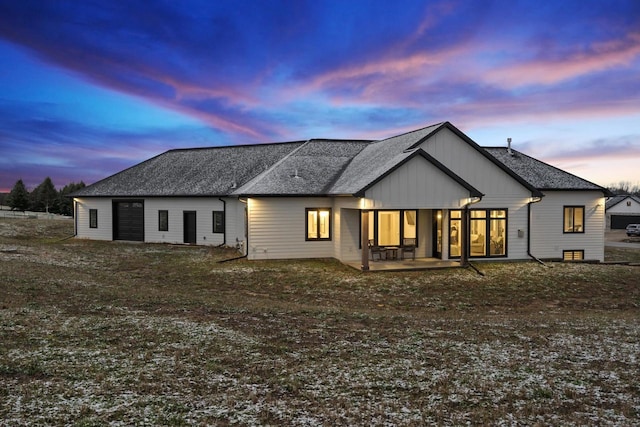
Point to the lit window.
(93, 218)
(487, 233)
(574, 255)
(163, 220)
(573, 219)
(390, 228)
(318, 224)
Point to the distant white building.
(431, 193)
(621, 211)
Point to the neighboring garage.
(621, 211)
(128, 220)
(620, 222)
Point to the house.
(622, 210)
(433, 188)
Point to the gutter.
(533, 200)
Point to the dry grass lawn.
(102, 333)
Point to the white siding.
(203, 207)
(105, 215)
(277, 228)
(416, 184)
(547, 237)
(347, 229)
(176, 206)
(235, 223)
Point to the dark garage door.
(620, 222)
(128, 220)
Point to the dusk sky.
(91, 87)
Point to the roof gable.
(473, 192)
(616, 200)
(376, 159)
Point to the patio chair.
(409, 246)
(377, 250)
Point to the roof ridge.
(337, 176)
(215, 147)
(435, 125)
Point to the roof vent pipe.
(509, 147)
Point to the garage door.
(128, 220)
(620, 222)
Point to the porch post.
(464, 235)
(364, 215)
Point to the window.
(487, 233)
(163, 220)
(218, 221)
(318, 224)
(478, 229)
(497, 232)
(573, 255)
(93, 218)
(573, 219)
(388, 228)
(455, 227)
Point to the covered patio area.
(406, 265)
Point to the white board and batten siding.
(547, 238)
(416, 184)
(104, 231)
(277, 228)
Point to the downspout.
(224, 215)
(75, 217)
(533, 200)
(246, 239)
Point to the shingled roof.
(216, 171)
(317, 167)
(311, 169)
(539, 174)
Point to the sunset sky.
(89, 87)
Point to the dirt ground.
(619, 236)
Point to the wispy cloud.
(597, 57)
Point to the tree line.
(625, 187)
(43, 198)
